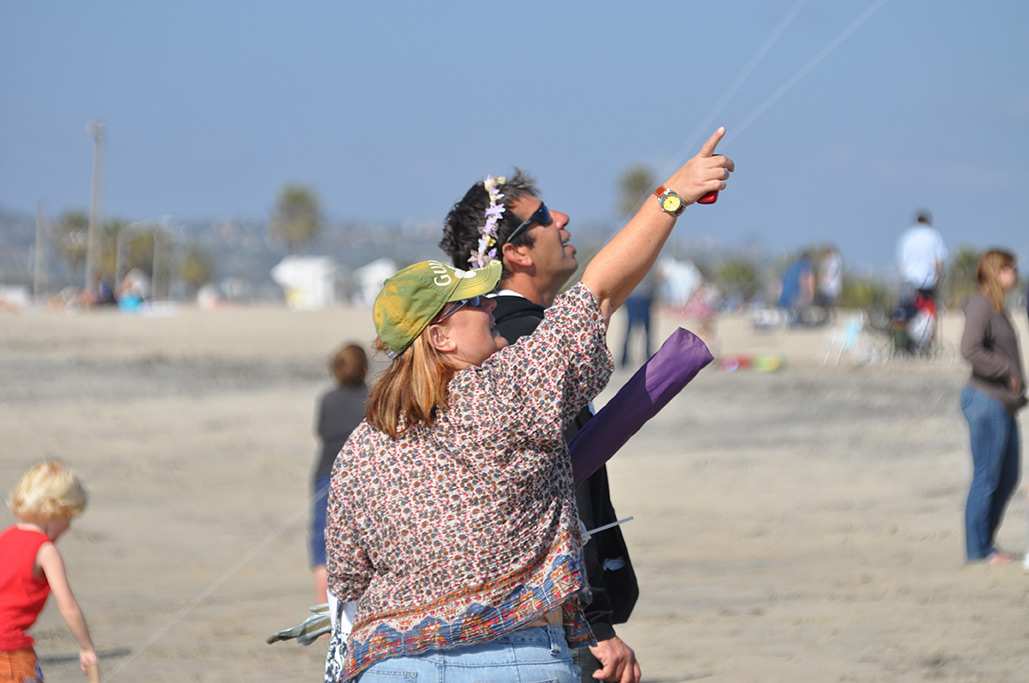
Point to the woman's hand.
(706, 172)
(1016, 384)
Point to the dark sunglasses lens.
(542, 216)
(472, 302)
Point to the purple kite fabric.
(661, 378)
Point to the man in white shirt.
(830, 277)
(921, 255)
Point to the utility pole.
(39, 265)
(96, 130)
(154, 263)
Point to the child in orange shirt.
(45, 500)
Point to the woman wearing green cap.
(452, 529)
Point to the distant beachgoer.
(830, 278)
(133, 290)
(990, 400)
(105, 295)
(798, 283)
(702, 309)
(921, 259)
(638, 309)
(921, 256)
(797, 293)
(44, 502)
(339, 411)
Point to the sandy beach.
(802, 526)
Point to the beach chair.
(844, 338)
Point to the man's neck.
(529, 288)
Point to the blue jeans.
(637, 309)
(531, 655)
(316, 532)
(995, 459)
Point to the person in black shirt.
(535, 248)
(339, 411)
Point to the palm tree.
(72, 234)
(961, 280)
(297, 216)
(634, 184)
(197, 267)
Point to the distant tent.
(309, 282)
(368, 279)
(14, 298)
(209, 296)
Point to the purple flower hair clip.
(486, 250)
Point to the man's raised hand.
(706, 172)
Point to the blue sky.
(391, 110)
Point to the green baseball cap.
(415, 295)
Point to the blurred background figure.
(105, 295)
(830, 278)
(638, 308)
(702, 309)
(797, 293)
(921, 259)
(100, 294)
(921, 255)
(686, 289)
(339, 411)
(990, 401)
(798, 284)
(133, 290)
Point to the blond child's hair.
(48, 491)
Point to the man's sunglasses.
(455, 306)
(540, 216)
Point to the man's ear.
(517, 256)
(440, 339)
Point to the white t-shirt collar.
(511, 292)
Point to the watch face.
(671, 203)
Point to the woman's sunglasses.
(455, 306)
(540, 216)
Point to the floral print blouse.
(457, 533)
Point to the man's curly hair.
(466, 218)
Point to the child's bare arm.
(50, 561)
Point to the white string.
(804, 70)
(694, 138)
(176, 618)
(755, 115)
